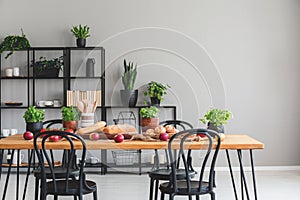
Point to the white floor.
(272, 185)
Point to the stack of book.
(74, 96)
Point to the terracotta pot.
(148, 123)
(70, 125)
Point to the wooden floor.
(272, 185)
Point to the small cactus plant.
(129, 75)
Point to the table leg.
(30, 152)
(103, 161)
(7, 176)
(231, 174)
(156, 161)
(243, 178)
(18, 174)
(140, 161)
(253, 174)
(1, 161)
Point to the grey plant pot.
(34, 127)
(129, 97)
(212, 126)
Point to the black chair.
(58, 185)
(157, 173)
(205, 181)
(60, 171)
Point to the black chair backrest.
(181, 141)
(46, 158)
(177, 123)
(51, 122)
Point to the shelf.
(14, 78)
(13, 107)
(84, 77)
(140, 106)
(48, 107)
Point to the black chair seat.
(164, 174)
(60, 172)
(182, 188)
(73, 188)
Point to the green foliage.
(129, 75)
(216, 116)
(149, 112)
(81, 32)
(70, 113)
(12, 43)
(155, 89)
(43, 63)
(32, 114)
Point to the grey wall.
(240, 55)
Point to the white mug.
(15, 158)
(13, 131)
(56, 103)
(5, 132)
(40, 103)
(94, 160)
(9, 72)
(16, 71)
(48, 103)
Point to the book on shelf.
(73, 96)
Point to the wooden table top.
(232, 141)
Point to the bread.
(120, 128)
(94, 128)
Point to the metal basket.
(129, 157)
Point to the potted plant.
(216, 118)
(129, 95)
(47, 68)
(81, 33)
(12, 43)
(156, 91)
(70, 117)
(34, 119)
(149, 118)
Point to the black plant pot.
(81, 42)
(34, 127)
(129, 97)
(212, 126)
(155, 101)
(47, 72)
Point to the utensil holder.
(87, 119)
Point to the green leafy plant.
(129, 75)
(155, 89)
(43, 63)
(149, 112)
(81, 32)
(12, 43)
(216, 116)
(70, 114)
(32, 114)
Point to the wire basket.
(125, 157)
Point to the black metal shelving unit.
(66, 78)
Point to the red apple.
(43, 130)
(54, 138)
(28, 135)
(119, 138)
(164, 136)
(94, 136)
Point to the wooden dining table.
(238, 142)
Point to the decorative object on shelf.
(90, 67)
(8, 72)
(129, 95)
(34, 119)
(12, 43)
(216, 118)
(81, 33)
(156, 91)
(149, 118)
(75, 96)
(47, 68)
(70, 117)
(13, 103)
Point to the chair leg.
(80, 196)
(171, 196)
(156, 189)
(212, 196)
(55, 197)
(151, 189)
(36, 188)
(162, 196)
(95, 195)
(197, 197)
(190, 197)
(75, 197)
